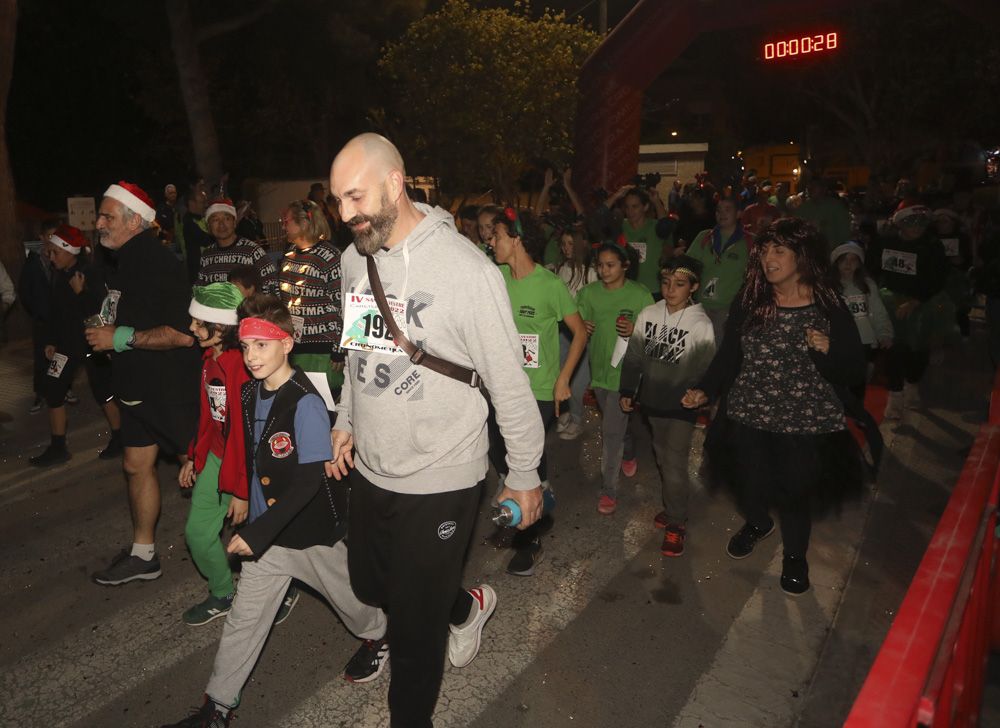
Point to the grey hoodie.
(417, 431)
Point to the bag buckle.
(475, 380)
(417, 356)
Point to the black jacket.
(64, 329)
(305, 508)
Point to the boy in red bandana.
(297, 517)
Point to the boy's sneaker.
(573, 430)
(660, 520)
(564, 421)
(204, 612)
(50, 456)
(606, 505)
(207, 716)
(36, 406)
(368, 662)
(464, 641)
(525, 558)
(125, 567)
(287, 604)
(630, 467)
(673, 540)
(71, 398)
(742, 544)
(114, 449)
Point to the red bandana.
(256, 328)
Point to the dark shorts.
(98, 367)
(170, 426)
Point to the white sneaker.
(463, 642)
(573, 430)
(894, 410)
(911, 396)
(563, 422)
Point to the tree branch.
(232, 24)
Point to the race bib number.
(640, 248)
(57, 364)
(899, 261)
(109, 307)
(858, 305)
(298, 323)
(216, 401)
(950, 247)
(529, 345)
(364, 327)
(710, 288)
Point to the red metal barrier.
(930, 668)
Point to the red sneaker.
(630, 467)
(660, 520)
(606, 505)
(673, 540)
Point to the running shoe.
(525, 559)
(287, 604)
(52, 455)
(630, 467)
(564, 421)
(742, 544)
(673, 540)
(464, 640)
(71, 398)
(125, 568)
(794, 575)
(660, 520)
(573, 430)
(208, 610)
(207, 716)
(36, 406)
(368, 662)
(606, 505)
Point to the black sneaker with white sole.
(125, 568)
(525, 559)
(742, 544)
(287, 604)
(368, 662)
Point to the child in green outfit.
(609, 309)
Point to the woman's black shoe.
(742, 544)
(794, 575)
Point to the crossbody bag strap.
(417, 355)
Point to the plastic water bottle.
(508, 513)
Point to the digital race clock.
(818, 43)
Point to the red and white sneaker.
(630, 467)
(606, 505)
(464, 640)
(660, 520)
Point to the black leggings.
(905, 365)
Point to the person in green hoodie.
(723, 252)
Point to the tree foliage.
(478, 93)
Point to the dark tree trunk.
(194, 89)
(11, 252)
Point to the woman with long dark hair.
(782, 374)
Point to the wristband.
(121, 338)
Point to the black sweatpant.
(406, 554)
(777, 470)
(905, 365)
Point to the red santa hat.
(134, 198)
(906, 211)
(223, 204)
(69, 238)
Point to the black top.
(64, 330)
(842, 367)
(914, 268)
(152, 290)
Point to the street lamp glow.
(673, 133)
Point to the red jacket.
(233, 474)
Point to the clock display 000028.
(801, 45)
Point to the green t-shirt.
(552, 255)
(722, 276)
(603, 307)
(539, 301)
(649, 246)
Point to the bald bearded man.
(412, 441)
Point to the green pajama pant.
(208, 511)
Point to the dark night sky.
(94, 96)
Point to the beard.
(379, 228)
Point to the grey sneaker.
(287, 604)
(204, 612)
(125, 567)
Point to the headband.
(257, 328)
(686, 271)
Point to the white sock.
(145, 551)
